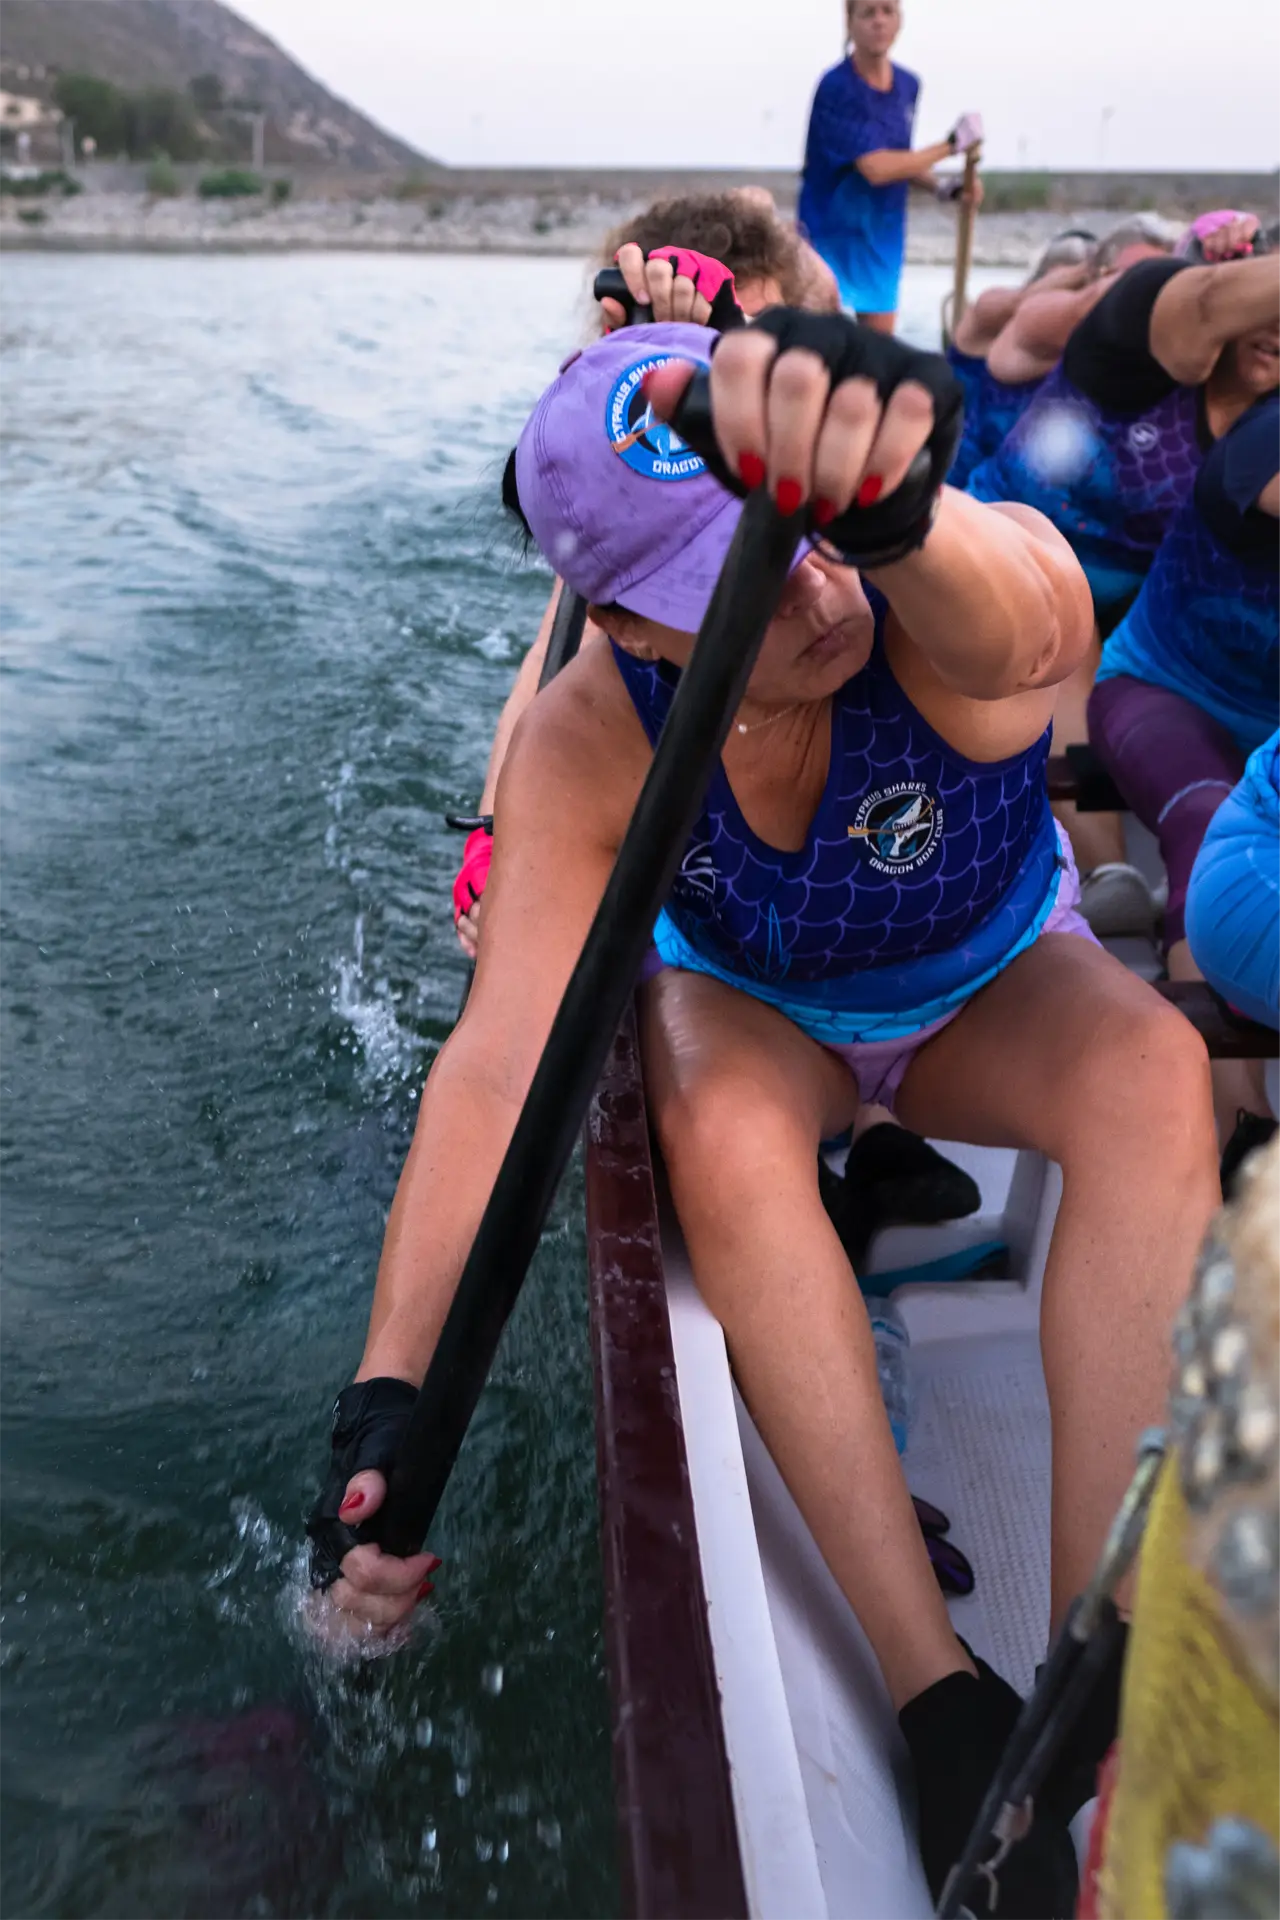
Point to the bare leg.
(1069, 1053)
(879, 322)
(1236, 1083)
(1096, 838)
(740, 1099)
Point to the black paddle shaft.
(711, 687)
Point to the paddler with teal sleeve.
(1190, 680)
(858, 164)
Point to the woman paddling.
(1189, 684)
(1166, 361)
(858, 164)
(874, 905)
(891, 1177)
(991, 406)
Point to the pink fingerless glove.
(967, 132)
(473, 873)
(711, 278)
(707, 275)
(1202, 227)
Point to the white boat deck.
(819, 1771)
(817, 1762)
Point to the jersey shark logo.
(901, 826)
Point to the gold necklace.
(755, 727)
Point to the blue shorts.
(1233, 902)
(868, 282)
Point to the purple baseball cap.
(619, 505)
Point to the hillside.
(168, 43)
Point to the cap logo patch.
(647, 445)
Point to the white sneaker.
(1115, 899)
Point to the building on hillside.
(23, 110)
(30, 127)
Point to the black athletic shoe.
(893, 1179)
(1253, 1130)
(956, 1731)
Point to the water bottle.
(889, 1330)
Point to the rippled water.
(259, 617)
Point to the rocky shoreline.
(519, 223)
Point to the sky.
(1141, 84)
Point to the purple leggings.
(1173, 764)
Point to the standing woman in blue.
(858, 164)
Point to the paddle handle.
(610, 284)
(599, 989)
(964, 238)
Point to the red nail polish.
(788, 494)
(869, 491)
(351, 1505)
(751, 470)
(823, 511)
(435, 1560)
(424, 1590)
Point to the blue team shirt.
(859, 230)
(1207, 622)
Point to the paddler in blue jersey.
(859, 163)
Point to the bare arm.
(1198, 311)
(995, 600)
(886, 165)
(522, 692)
(562, 806)
(1034, 340)
(985, 318)
(1269, 498)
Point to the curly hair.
(740, 228)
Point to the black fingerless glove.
(369, 1422)
(899, 522)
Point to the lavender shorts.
(878, 1066)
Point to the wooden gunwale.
(679, 1842)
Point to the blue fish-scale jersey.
(921, 875)
(1207, 622)
(1111, 484)
(992, 409)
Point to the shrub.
(52, 180)
(1017, 192)
(233, 183)
(162, 178)
(280, 191)
(32, 216)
